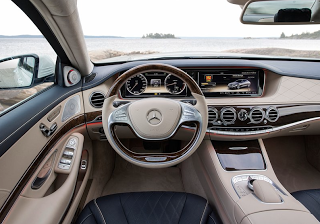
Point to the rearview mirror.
(281, 12)
(25, 71)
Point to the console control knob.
(250, 183)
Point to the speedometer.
(137, 84)
(174, 85)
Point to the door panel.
(23, 159)
(18, 121)
(53, 203)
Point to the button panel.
(68, 153)
(240, 183)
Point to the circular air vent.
(97, 99)
(256, 115)
(212, 115)
(228, 115)
(272, 114)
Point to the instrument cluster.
(154, 84)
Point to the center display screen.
(231, 82)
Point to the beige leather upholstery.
(265, 192)
(51, 207)
(169, 113)
(25, 150)
(280, 216)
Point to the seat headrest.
(293, 15)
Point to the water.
(200, 44)
(18, 46)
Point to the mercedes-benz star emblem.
(154, 117)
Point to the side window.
(27, 61)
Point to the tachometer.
(174, 85)
(137, 84)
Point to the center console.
(239, 180)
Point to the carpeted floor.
(130, 178)
(289, 161)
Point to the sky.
(134, 18)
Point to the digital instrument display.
(213, 83)
(231, 82)
(154, 84)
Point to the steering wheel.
(155, 119)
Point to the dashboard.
(213, 83)
(282, 97)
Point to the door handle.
(44, 173)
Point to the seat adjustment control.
(48, 131)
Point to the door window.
(27, 61)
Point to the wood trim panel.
(90, 117)
(239, 155)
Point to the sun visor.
(293, 15)
(238, 2)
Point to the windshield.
(140, 29)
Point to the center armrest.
(228, 189)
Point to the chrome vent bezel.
(272, 110)
(252, 119)
(212, 111)
(102, 95)
(231, 119)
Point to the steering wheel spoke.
(119, 116)
(189, 114)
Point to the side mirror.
(25, 71)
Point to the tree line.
(159, 36)
(304, 35)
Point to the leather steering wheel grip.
(112, 116)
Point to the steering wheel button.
(188, 113)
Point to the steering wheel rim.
(166, 128)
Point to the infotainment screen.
(231, 82)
